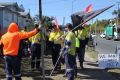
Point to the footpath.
(91, 72)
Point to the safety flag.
(56, 23)
(82, 17)
(89, 8)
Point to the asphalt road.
(106, 46)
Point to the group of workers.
(73, 44)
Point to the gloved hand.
(38, 27)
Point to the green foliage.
(99, 26)
(46, 21)
(116, 12)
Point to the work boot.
(75, 71)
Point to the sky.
(63, 8)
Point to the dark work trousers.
(12, 63)
(56, 55)
(70, 64)
(35, 55)
(81, 52)
(87, 39)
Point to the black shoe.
(82, 68)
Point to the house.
(11, 12)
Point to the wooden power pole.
(42, 40)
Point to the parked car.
(93, 35)
(102, 35)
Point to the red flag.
(56, 23)
(88, 8)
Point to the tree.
(100, 26)
(47, 21)
(116, 12)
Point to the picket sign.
(110, 60)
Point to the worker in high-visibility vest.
(82, 33)
(87, 33)
(69, 52)
(36, 51)
(77, 42)
(55, 46)
(77, 45)
(11, 43)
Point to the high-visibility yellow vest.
(82, 34)
(52, 35)
(36, 38)
(57, 39)
(77, 40)
(70, 36)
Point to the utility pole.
(42, 40)
(118, 13)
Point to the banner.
(109, 60)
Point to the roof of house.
(20, 10)
(11, 4)
(23, 13)
(8, 3)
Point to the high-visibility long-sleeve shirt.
(11, 39)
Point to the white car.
(93, 35)
(102, 35)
